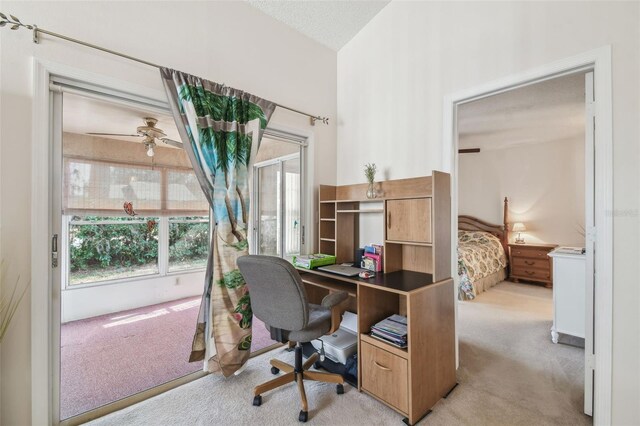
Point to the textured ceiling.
(543, 112)
(332, 23)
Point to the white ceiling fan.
(149, 132)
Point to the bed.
(482, 254)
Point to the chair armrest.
(334, 301)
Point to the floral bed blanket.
(480, 254)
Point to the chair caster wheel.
(304, 416)
(339, 389)
(275, 370)
(257, 400)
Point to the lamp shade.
(518, 227)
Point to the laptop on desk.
(347, 271)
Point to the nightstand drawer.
(385, 376)
(530, 252)
(531, 273)
(529, 263)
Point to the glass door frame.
(50, 80)
(301, 155)
(59, 273)
(56, 274)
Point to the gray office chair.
(279, 299)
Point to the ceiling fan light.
(150, 152)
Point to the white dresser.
(569, 294)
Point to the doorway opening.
(526, 145)
(598, 200)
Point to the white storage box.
(339, 346)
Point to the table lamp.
(519, 227)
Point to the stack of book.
(391, 330)
(372, 258)
(311, 261)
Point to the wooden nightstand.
(529, 262)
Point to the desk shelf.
(366, 200)
(330, 366)
(328, 283)
(361, 211)
(409, 243)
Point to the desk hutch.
(416, 283)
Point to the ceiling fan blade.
(172, 142)
(113, 134)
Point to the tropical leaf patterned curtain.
(221, 128)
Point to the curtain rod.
(15, 24)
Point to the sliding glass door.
(278, 219)
(129, 245)
(291, 213)
(278, 227)
(133, 233)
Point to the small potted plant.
(370, 174)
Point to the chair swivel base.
(297, 373)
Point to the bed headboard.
(470, 223)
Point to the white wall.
(88, 301)
(544, 182)
(393, 75)
(228, 42)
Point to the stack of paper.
(392, 330)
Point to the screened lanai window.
(99, 187)
(105, 243)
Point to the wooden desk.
(410, 380)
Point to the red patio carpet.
(106, 358)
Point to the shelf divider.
(361, 211)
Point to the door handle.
(54, 251)
(382, 367)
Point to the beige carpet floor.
(510, 374)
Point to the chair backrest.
(277, 293)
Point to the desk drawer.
(531, 273)
(529, 263)
(529, 252)
(385, 376)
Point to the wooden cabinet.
(384, 375)
(409, 220)
(530, 262)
